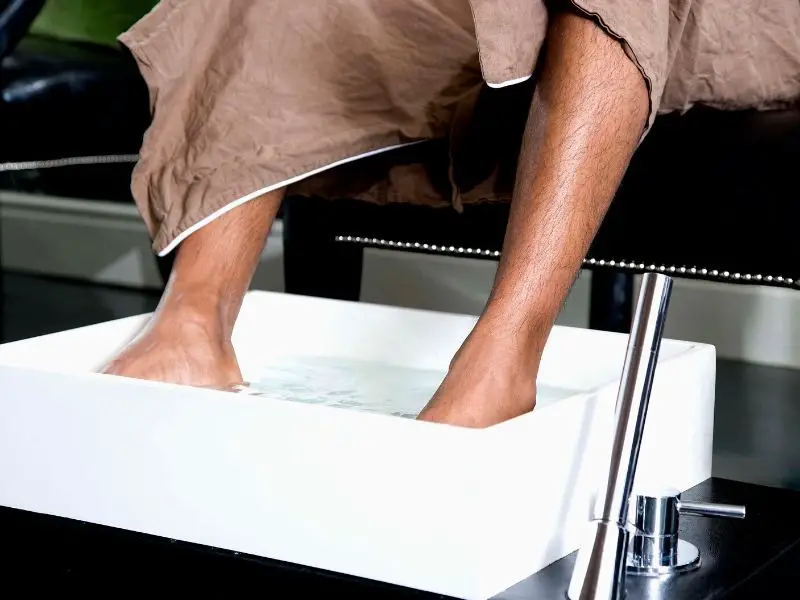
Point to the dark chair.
(63, 100)
(709, 195)
(15, 18)
(73, 113)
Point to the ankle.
(488, 354)
(520, 342)
(193, 312)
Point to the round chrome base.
(688, 559)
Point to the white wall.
(106, 242)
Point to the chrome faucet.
(605, 558)
(601, 563)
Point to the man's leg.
(188, 340)
(586, 119)
(304, 87)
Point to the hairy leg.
(188, 340)
(586, 119)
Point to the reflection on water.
(358, 385)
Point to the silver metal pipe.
(633, 397)
(600, 566)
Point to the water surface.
(359, 385)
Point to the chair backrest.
(16, 17)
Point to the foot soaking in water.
(367, 386)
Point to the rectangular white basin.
(461, 512)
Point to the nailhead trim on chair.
(589, 262)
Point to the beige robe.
(253, 95)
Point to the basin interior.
(347, 355)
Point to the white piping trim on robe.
(508, 83)
(253, 195)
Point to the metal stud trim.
(589, 262)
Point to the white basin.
(461, 512)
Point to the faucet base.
(685, 558)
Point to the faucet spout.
(600, 566)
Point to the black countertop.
(741, 559)
(750, 559)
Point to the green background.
(97, 21)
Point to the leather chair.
(15, 18)
(67, 100)
(709, 195)
(61, 101)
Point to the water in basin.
(359, 385)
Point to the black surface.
(740, 558)
(313, 263)
(43, 552)
(751, 556)
(611, 301)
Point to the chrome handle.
(656, 548)
(712, 509)
(657, 514)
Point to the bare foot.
(181, 352)
(489, 382)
